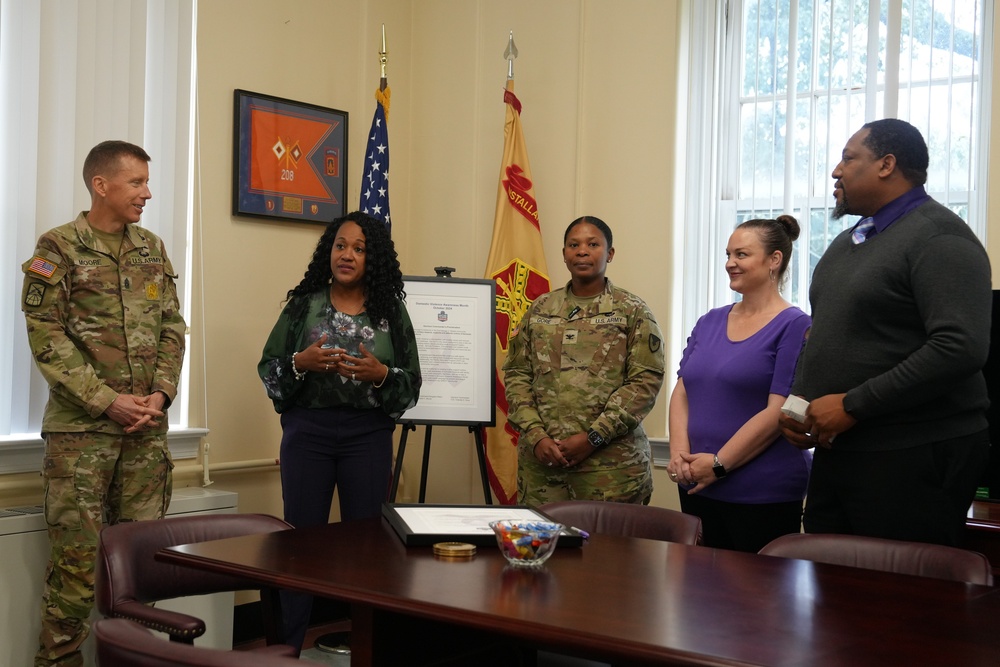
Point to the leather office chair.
(872, 553)
(626, 519)
(128, 577)
(123, 643)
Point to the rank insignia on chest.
(152, 292)
(570, 336)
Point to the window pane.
(780, 30)
(804, 145)
(762, 150)
(940, 42)
(846, 38)
(939, 39)
(960, 149)
(805, 48)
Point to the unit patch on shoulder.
(34, 294)
(654, 343)
(42, 267)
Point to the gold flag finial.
(382, 54)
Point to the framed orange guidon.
(289, 159)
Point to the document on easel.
(444, 329)
(453, 324)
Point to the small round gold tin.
(455, 550)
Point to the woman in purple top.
(735, 471)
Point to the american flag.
(41, 267)
(375, 179)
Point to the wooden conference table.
(633, 601)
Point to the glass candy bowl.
(526, 543)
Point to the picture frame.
(289, 159)
(421, 525)
(453, 320)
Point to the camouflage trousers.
(621, 472)
(91, 479)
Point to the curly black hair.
(383, 279)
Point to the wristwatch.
(596, 439)
(717, 467)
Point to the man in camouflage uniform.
(106, 332)
(582, 373)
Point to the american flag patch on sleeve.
(42, 267)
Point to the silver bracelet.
(299, 375)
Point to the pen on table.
(582, 533)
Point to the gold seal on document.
(455, 550)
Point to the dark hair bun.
(791, 226)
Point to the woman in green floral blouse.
(340, 364)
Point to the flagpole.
(382, 61)
(516, 263)
(375, 172)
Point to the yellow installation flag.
(517, 266)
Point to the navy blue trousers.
(346, 449)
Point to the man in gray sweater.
(892, 366)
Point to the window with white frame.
(788, 83)
(73, 74)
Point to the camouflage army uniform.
(100, 323)
(580, 364)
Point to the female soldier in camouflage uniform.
(584, 368)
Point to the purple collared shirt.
(897, 208)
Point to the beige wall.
(597, 79)
(583, 66)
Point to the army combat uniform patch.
(34, 294)
(42, 267)
(40, 273)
